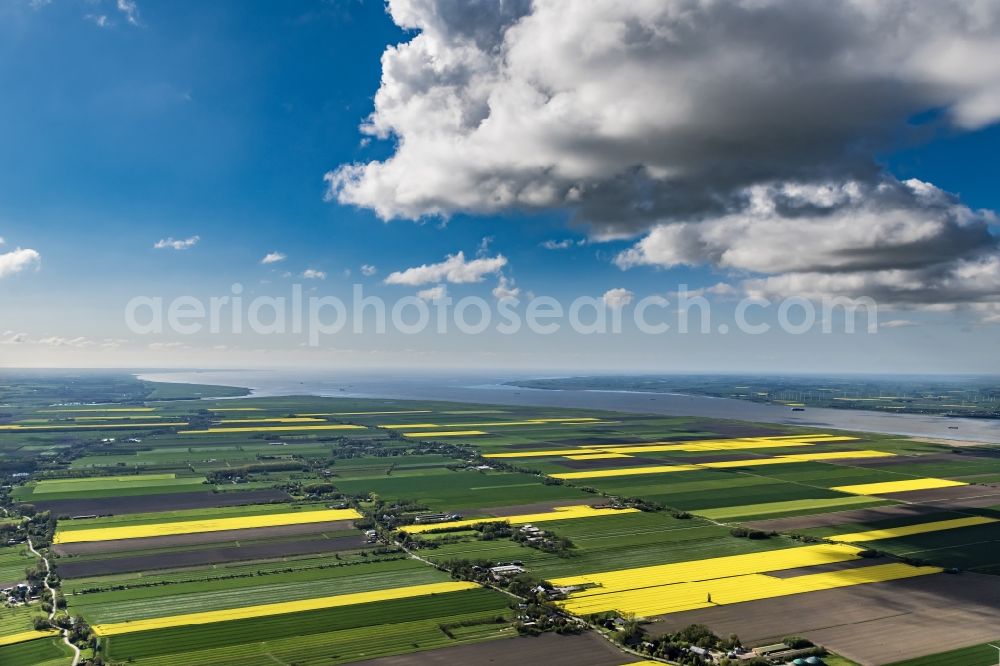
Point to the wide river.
(490, 389)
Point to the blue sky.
(218, 120)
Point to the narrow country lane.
(52, 593)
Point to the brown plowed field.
(794, 523)
(106, 506)
(191, 558)
(871, 624)
(222, 536)
(971, 495)
(832, 566)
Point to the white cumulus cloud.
(368, 270)
(433, 293)
(314, 274)
(455, 269)
(898, 242)
(130, 10)
(617, 298)
(170, 244)
(505, 288)
(18, 260)
(632, 113)
(273, 257)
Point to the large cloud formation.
(739, 134)
(900, 243)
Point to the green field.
(343, 646)
(13, 561)
(447, 490)
(18, 619)
(976, 655)
(109, 486)
(788, 508)
(201, 637)
(197, 596)
(40, 652)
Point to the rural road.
(592, 626)
(52, 593)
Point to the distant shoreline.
(495, 390)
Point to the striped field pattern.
(198, 526)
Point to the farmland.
(316, 530)
(196, 526)
(43, 652)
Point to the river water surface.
(491, 389)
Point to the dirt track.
(872, 624)
(549, 649)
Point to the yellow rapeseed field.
(558, 513)
(303, 428)
(26, 636)
(114, 418)
(98, 426)
(597, 456)
(662, 600)
(733, 442)
(234, 409)
(493, 424)
(680, 586)
(445, 433)
(548, 453)
(730, 445)
(404, 426)
(897, 486)
(736, 444)
(196, 526)
(624, 471)
(907, 530)
(403, 411)
(837, 455)
(297, 419)
(725, 464)
(707, 569)
(264, 610)
(798, 457)
(97, 409)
